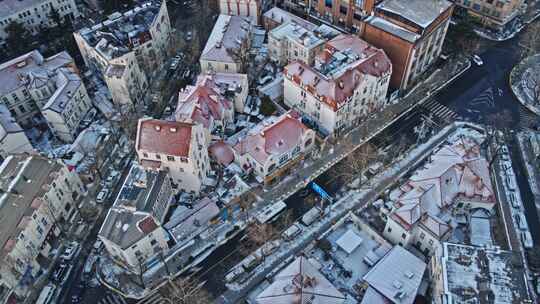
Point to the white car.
(70, 251)
(477, 60)
(102, 196)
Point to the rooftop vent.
(173, 129)
(158, 128)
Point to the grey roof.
(397, 276)
(7, 121)
(67, 83)
(487, 275)
(140, 190)
(123, 227)
(186, 223)
(393, 29)
(281, 16)
(420, 12)
(10, 7)
(19, 71)
(226, 37)
(122, 32)
(21, 180)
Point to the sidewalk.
(515, 26)
(524, 80)
(354, 200)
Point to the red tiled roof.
(164, 137)
(202, 104)
(147, 225)
(222, 153)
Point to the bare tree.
(188, 291)
(354, 164)
(530, 41)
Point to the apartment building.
(411, 32)
(276, 16)
(246, 8)
(345, 14)
(127, 48)
(34, 14)
(40, 198)
(132, 231)
(272, 148)
(292, 41)
(228, 45)
(232, 86)
(67, 106)
(179, 148)
(50, 86)
(454, 181)
(12, 137)
(348, 81)
(461, 273)
(494, 14)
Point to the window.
(422, 235)
(170, 158)
(389, 229)
(403, 236)
(283, 158)
(44, 221)
(158, 156)
(22, 109)
(296, 150)
(153, 242)
(39, 229)
(145, 155)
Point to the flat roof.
(489, 276)
(420, 12)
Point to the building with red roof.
(348, 81)
(178, 147)
(271, 148)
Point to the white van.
(526, 239)
(47, 295)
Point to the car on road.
(477, 60)
(102, 195)
(189, 36)
(61, 273)
(174, 65)
(70, 251)
(111, 179)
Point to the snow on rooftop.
(349, 241)
(488, 275)
(227, 35)
(421, 12)
(397, 276)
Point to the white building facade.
(180, 148)
(348, 81)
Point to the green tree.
(18, 38)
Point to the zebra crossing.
(155, 298)
(485, 99)
(112, 299)
(439, 110)
(526, 119)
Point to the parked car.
(189, 36)
(102, 195)
(60, 272)
(477, 60)
(70, 251)
(111, 179)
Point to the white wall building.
(348, 81)
(12, 137)
(40, 197)
(455, 180)
(132, 231)
(245, 8)
(34, 14)
(272, 148)
(293, 41)
(177, 147)
(227, 47)
(127, 48)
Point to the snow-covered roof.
(228, 35)
(124, 227)
(307, 37)
(67, 83)
(392, 28)
(420, 12)
(185, 223)
(273, 137)
(349, 241)
(300, 282)
(281, 16)
(397, 276)
(490, 276)
(7, 122)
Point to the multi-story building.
(245, 8)
(345, 14)
(411, 32)
(494, 14)
(67, 106)
(177, 147)
(127, 48)
(40, 198)
(455, 180)
(34, 14)
(275, 17)
(272, 148)
(348, 81)
(132, 231)
(33, 84)
(228, 45)
(204, 104)
(232, 86)
(12, 137)
(462, 274)
(291, 41)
